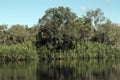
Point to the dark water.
(61, 70)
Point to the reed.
(24, 51)
(83, 50)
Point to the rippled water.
(61, 70)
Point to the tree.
(18, 34)
(56, 29)
(33, 31)
(85, 30)
(3, 34)
(95, 17)
(108, 33)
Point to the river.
(61, 70)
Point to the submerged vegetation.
(61, 34)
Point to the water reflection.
(61, 70)
(18, 71)
(79, 70)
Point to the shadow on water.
(61, 70)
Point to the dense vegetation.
(61, 34)
(23, 51)
(83, 50)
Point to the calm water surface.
(61, 70)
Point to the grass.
(24, 51)
(82, 51)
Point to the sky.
(27, 12)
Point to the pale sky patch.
(108, 2)
(83, 8)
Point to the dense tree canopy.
(56, 28)
(60, 29)
(17, 34)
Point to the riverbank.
(18, 52)
(83, 50)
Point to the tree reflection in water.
(78, 70)
(18, 71)
(61, 70)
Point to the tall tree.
(95, 17)
(56, 28)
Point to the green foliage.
(17, 34)
(64, 35)
(3, 34)
(108, 33)
(24, 51)
(55, 31)
(94, 17)
(61, 34)
(96, 50)
(33, 31)
(83, 50)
